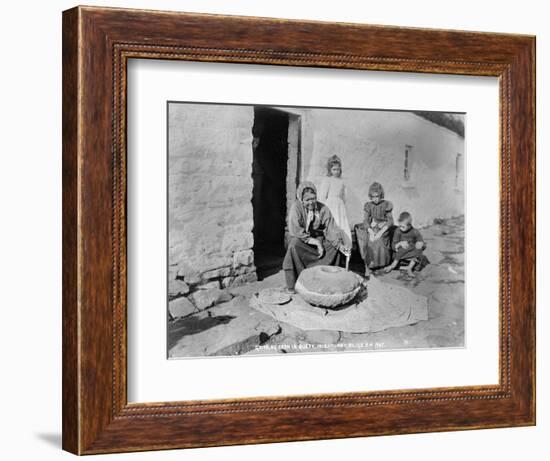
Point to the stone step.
(231, 328)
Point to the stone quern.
(328, 286)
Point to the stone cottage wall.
(371, 146)
(210, 213)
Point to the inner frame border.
(122, 52)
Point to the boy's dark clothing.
(411, 236)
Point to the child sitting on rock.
(408, 245)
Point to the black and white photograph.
(275, 230)
(313, 229)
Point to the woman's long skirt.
(377, 253)
(300, 255)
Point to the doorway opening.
(275, 170)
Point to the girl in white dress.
(332, 192)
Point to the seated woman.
(315, 239)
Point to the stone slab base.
(383, 306)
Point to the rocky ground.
(232, 327)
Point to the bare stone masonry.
(210, 214)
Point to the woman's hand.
(320, 250)
(419, 245)
(345, 250)
(319, 245)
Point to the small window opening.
(407, 165)
(458, 170)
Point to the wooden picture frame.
(97, 43)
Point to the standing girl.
(332, 192)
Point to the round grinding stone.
(327, 286)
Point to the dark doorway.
(269, 197)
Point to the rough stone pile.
(191, 294)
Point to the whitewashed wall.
(210, 189)
(371, 145)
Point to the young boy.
(407, 244)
